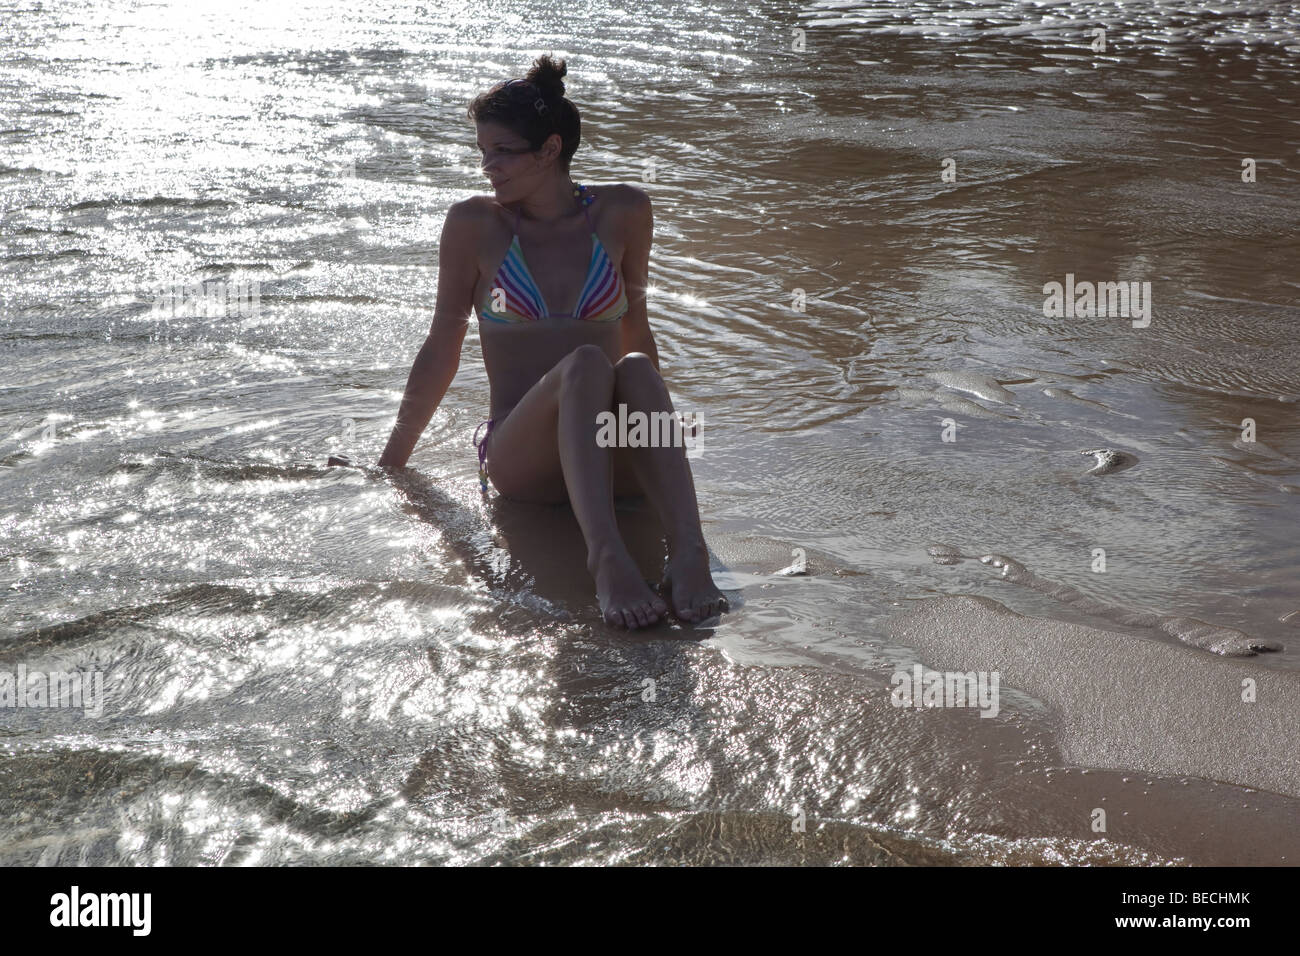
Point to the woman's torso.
(517, 354)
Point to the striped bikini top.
(602, 299)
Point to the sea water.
(218, 257)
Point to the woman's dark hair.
(534, 107)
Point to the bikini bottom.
(482, 452)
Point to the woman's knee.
(587, 364)
(636, 370)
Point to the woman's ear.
(553, 146)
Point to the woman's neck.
(551, 203)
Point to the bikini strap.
(518, 212)
(586, 197)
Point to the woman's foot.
(625, 598)
(694, 595)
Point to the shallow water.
(313, 664)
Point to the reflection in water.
(313, 664)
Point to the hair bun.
(548, 74)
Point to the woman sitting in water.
(538, 239)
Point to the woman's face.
(513, 169)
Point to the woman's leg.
(664, 475)
(545, 450)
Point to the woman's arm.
(636, 275)
(439, 357)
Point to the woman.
(543, 239)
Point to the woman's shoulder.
(473, 208)
(628, 210)
(472, 219)
(624, 195)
